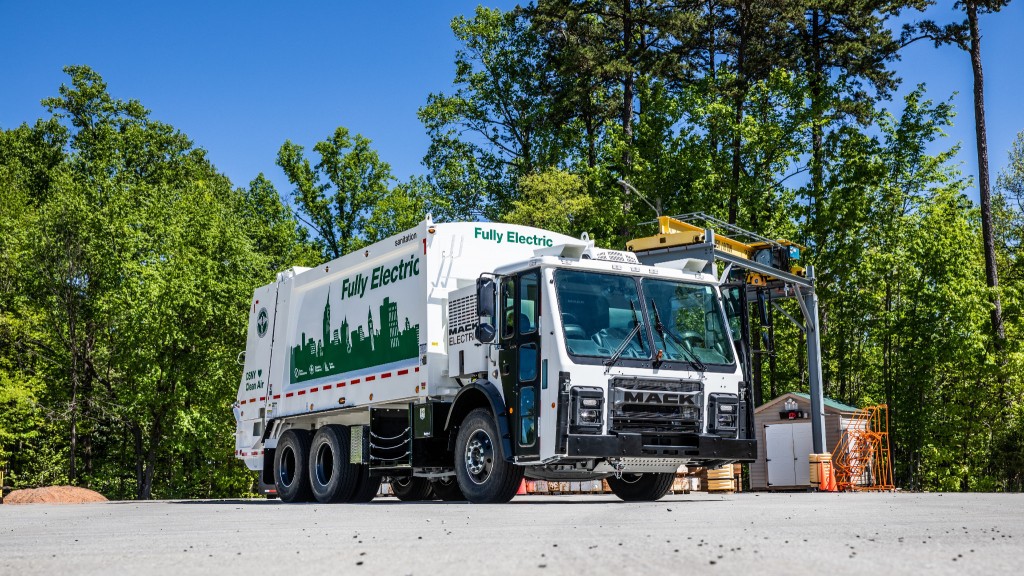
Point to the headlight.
(586, 410)
(723, 414)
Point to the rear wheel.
(410, 488)
(367, 486)
(447, 489)
(641, 487)
(290, 460)
(331, 476)
(483, 474)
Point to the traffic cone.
(832, 486)
(522, 487)
(822, 479)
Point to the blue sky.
(242, 77)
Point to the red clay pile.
(54, 495)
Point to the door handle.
(504, 368)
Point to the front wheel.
(641, 487)
(483, 474)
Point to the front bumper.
(692, 447)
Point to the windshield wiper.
(625, 343)
(662, 330)
(636, 322)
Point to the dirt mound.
(54, 495)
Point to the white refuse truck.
(455, 358)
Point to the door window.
(529, 302)
(527, 416)
(527, 363)
(508, 306)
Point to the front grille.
(462, 311)
(660, 406)
(690, 413)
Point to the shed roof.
(829, 403)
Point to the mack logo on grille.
(641, 397)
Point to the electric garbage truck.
(454, 359)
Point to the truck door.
(520, 357)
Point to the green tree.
(404, 206)
(966, 35)
(843, 51)
(553, 200)
(1008, 219)
(131, 267)
(275, 232)
(336, 197)
(497, 125)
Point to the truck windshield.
(691, 321)
(599, 312)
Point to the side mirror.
(485, 291)
(484, 333)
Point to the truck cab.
(611, 369)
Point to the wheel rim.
(479, 456)
(324, 464)
(286, 474)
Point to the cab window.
(529, 302)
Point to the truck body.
(454, 358)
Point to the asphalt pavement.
(820, 534)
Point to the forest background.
(127, 259)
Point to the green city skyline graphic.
(342, 350)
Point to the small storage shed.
(783, 428)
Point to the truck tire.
(641, 487)
(483, 474)
(447, 489)
(366, 487)
(332, 477)
(410, 488)
(290, 460)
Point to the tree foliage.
(775, 117)
(130, 262)
(127, 261)
(349, 198)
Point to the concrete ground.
(820, 534)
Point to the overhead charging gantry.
(762, 270)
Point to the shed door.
(778, 439)
(787, 447)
